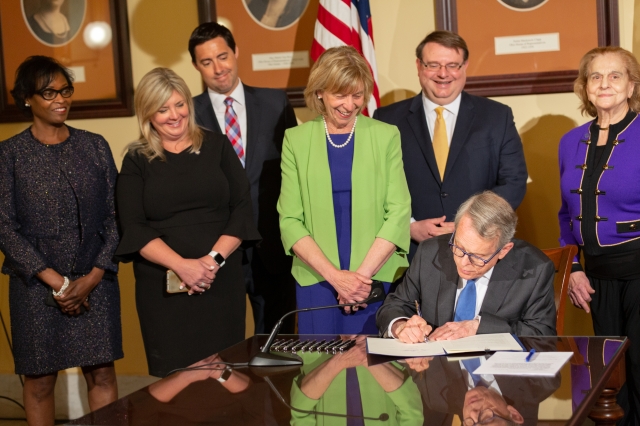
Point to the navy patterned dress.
(57, 211)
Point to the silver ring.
(202, 285)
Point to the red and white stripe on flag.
(347, 23)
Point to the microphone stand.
(265, 358)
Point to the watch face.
(219, 259)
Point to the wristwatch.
(217, 257)
(225, 375)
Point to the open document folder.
(477, 343)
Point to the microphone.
(264, 358)
(382, 417)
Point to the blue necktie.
(466, 308)
(471, 365)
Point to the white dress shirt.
(450, 115)
(239, 106)
(488, 379)
(482, 284)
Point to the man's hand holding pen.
(413, 330)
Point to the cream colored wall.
(159, 32)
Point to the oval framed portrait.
(54, 22)
(275, 14)
(522, 5)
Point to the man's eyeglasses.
(51, 94)
(435, 67)
(486, 416)
(474, 259)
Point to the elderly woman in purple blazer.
(600, 187)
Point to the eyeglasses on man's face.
(486, 416)
(474, 259)
(50, 94)
(452, 67)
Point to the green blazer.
(380, 200)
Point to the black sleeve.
(105, 260)
(24, 258)
(136, 232)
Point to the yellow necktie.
(440, 142)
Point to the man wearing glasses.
(477, 280)
(454, 144)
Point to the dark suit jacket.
(29, 197)
(443, 387)
(519, 299)
(485, 153)
(269, 114)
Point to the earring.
(27, 105)
(319, 97)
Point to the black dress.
(188, 201)
(57, 211)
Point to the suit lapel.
(503, 277)
(418, 122)
(320, 190)
(447, 291)
(204, 112)
(466, 115)
(253, 124)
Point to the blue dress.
(335, 320)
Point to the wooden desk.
(424, 391)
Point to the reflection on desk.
(352, 388)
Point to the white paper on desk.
(482, 343)
(514, 364)
(393, 347)
(478, 343)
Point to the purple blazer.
(619, 198)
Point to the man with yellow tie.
(454, 144)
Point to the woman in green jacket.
(344, 203)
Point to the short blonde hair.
(491, 216)
(630, 63)
(154, 90)
(338, 70)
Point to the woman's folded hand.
(351, 287)
(196, 274)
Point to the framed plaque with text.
(527, 46)
(273, 42)
(90, 37)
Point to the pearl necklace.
(326, 130)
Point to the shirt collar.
(430, 106)
(484, 279)
(217, 99)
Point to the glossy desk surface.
(429, 391)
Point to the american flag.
(347, 22)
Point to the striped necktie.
(232, 129)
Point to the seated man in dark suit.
(454, 144)
(477, 280)
(254, 119)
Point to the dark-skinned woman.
(58, 235)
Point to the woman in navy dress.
(58, 234)
(344, 203)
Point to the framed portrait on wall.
(89, 37)
(527, 46)
(274, 39)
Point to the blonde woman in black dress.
(184, 205)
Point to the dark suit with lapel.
(485, 153)
(444, 384)
(269, 280)
(519, 299)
